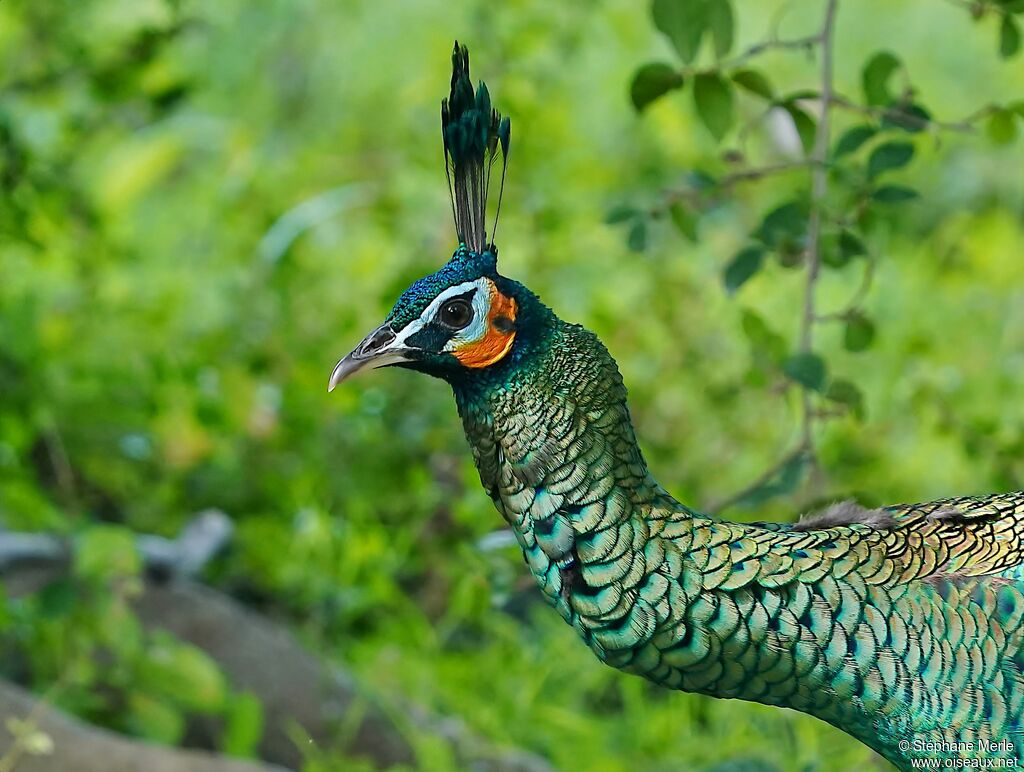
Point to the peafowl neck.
(555, 448)
(651, 586)
(553, 434)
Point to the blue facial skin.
(426, 353)
(533, 324)
(464, 266)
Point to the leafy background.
(205, 204)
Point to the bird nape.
(900, 626)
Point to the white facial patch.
(474, 331)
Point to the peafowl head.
(464, 322)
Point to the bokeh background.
(204, 205)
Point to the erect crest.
(472, 132)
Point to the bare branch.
(963, 126)
(819, 190)
(766, 477)
(867, 278)
(63, 742)
(806, 44)
(309, 702)
(977, 8)
(695, 196)
(199, 541)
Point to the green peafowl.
(901, 626)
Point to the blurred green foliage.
(205, 204)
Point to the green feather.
(472, 131)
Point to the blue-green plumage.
(902, 626)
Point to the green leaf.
(783, 225)
(636, 240)
(8, 614)
(713, 97)
(684, 221)
(700, 180)
(852, 140)
(912, 118)
(859, 332)
(651, 82)
(807, 369)
(184, 675)
(58, 598)
(851, 245)
(105, 552)
(683, 22)
(153, 719)
(1009, 37)
(785, 481)
(243, 725)
(721, 24)
(791, 474)
(137, 166)
(894, 194)
(831, 254)
(802, 94)
(891, 155)
(875, 77)
(621, 213)
(744, 265)
(805, 126)
(763, 339)
(1001, 126)
(755, 82)
(847, 393)
(842, 248)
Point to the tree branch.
(819, 191)
(199, 541)
(765, 478)
(772, 44)
(695, 195)
(306, 701)
(45, 739)
(963, 126)
(977, 8)
(858, 296)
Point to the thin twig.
(858, 296)
(963, 126)
(733, 498)
(59, 460)
(23, 729)
(773, 44)
(978, 9)
(747, 175)
(819, 190)
(729, 181)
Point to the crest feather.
(473, 132)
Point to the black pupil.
(456, 314)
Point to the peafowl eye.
(902, 626)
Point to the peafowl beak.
(378, 349)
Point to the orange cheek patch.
(497, 340)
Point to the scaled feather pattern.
(902, 626)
